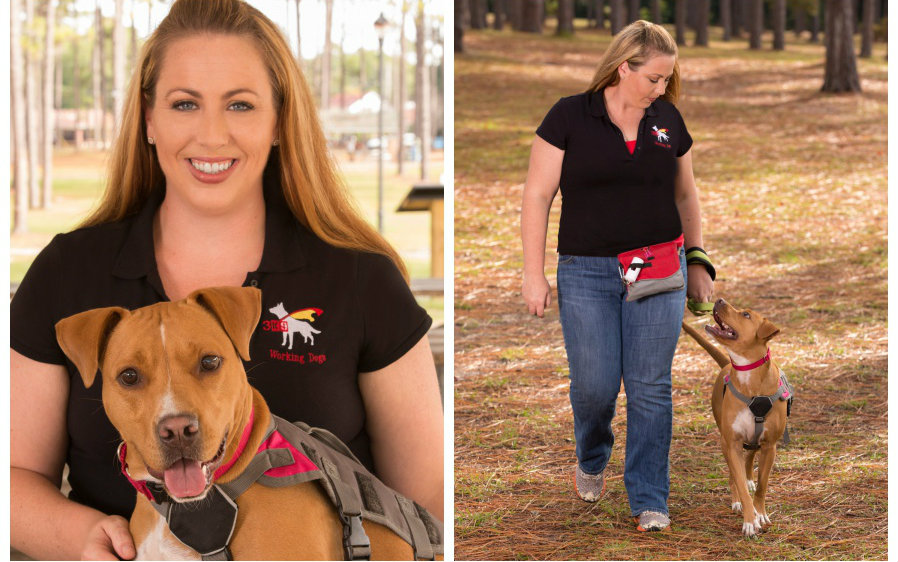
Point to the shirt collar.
(596, 102)
(285, 240)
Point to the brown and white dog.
(175, 388)
(747, 372)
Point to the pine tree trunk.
(17, 79)
(756, 21)
(779, 25)
(703, 12)
(632, 11)
(617, 16)
(565, 17)
(841, 64)
(655, 10)
(599, 7)
(32, 102)
(461, 7)
(422, 89)
(726, 18)
(400, 112)
(326, 55)
(681, 6)
(515, 14)
(801, 20)
(867, 30)
(48, 110)
(532, 16)
(815, 26)
(298, 35)
(118, 64)
(738, 9)
(499, 10)
(97, 78)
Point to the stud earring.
(276, 143)
(151, 140)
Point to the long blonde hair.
(302, 163)
(636, 44)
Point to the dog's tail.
(719, 356)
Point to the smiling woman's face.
(214, 120)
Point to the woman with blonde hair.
(620, 154)
(220, 176)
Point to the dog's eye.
(128, 377)
(747, 315)
(210, 363)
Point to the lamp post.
(380, 26)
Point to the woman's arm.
(405, 423)
(542, 182)
(43, 523)
(701, 288)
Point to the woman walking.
(620, 153)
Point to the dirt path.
(793, 188)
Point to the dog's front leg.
(749, 464)
(765, 465)
(732, 451)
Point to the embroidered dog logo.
(290, 323)
(660, 134)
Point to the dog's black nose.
(178, 428)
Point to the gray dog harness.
(760, 407)
(292, 454)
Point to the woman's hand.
(109, 539)
(701, 288)
(537, 294)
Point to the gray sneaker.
(651, 521)
(590, 487)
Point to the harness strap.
(420, 539)
(760, 407)
(356, 544)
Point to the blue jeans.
(609, 340)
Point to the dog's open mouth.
(189, 479)
(721, 329)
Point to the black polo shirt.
(362, 312)
(612, 201)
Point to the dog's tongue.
(185, 479)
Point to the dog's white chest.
(160, 544)
(744, 424)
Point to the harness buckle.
(358, 545)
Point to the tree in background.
(422, 88)
(779, 25)
(632, 11)
(680, 21)
(48, 117)
(703, 13)
(726, 18)
(867, 29)
(20, 146)
(655, 11)
(617, 16)
(756, 23)
(32, 115)
(326, 55)
(565, 17)
(460, 9)
(499, 9)
(532, 16)
(841, 65)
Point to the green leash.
(699, 308)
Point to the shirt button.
(254, 283)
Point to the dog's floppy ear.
(237, 309)
(767, 330)
(83, 338)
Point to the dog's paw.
(762, 519)
(751, 530)
(737, 507)
(751, 486)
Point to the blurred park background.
(786, 101)
(72, 59)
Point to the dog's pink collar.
(754, 365)
(141, 485)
